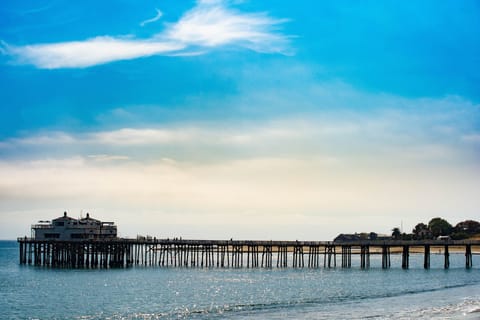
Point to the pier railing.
(119, 252)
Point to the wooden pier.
(122, 253)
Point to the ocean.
(28, 292)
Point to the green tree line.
(440, 227)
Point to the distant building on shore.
(68, 228)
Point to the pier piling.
(405, 257)
(364, 256)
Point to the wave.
(318, 309)
(467, 309)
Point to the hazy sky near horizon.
(245, 119)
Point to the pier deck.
(230, 253)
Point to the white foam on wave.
(468, 308)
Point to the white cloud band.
(206, 26)
(80, 54)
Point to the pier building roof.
(68, 228)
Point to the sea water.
(29, 292)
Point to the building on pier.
(68, 228)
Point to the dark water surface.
(29, 292)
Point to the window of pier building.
(52, 235)
(78, 236)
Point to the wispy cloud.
(80, 54)
(154, 19)
(210, 24)
(473, 138)
(130, 136)
(394, 137)
(425, 129)
(43, 139)
(107, 157)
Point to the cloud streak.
(154, 19)
(81, 54)
(207, 26)
(396, 138)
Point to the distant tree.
(419, 228)
(468, 227)
(440, 227)
(421, 231)
(459, 235)
(396, 233)
(406, 236)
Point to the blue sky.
(220, 118)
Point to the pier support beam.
(313, 256)
(222, 260)
(346, 256)
(447, 258)
(364, 257)
(282, 256)
(405, 257)
(385, 257)
(252, 256)
(468, 256)
(330, 252)
(426, 257)
(298, 261)
(22, 250)
(267, 256)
